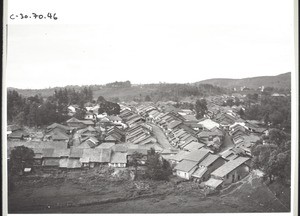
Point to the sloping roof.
(213, 183)
(209, 124)
(192, 146)
(76, 152)
(138, 150)
(73, 119)
(59, 136)
(179, 156)
(197, 155)
(18, 134)
(119, 157)
(47, 152)
(105, 155)
(173, 124)
(105, 145)
(87, 122)
(61, 153)
(114, 118)
(229, 166)
(12, 128)
(57, 125)
(185, 165)
(190, 118)
(199, 172)
(119, 148)
(211, 158)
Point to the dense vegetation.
(272, 154)
(274, 111)
(37, 111)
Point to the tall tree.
(200, 108)
(20, 158)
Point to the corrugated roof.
(185, 165)
(199, 172)
(197, 155)
(229, 166)
(106, 145)
(211, 158)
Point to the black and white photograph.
(136, 106)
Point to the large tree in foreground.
(157, 168)
(20, 158)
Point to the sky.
(149, 42)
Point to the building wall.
(182, 174)
(236, 175)
(117, 164)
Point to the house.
(232, 171)
(114, 119)
(105, 145)
(12, 128)
(57, 135)
(192, 146)
(188, 165)
(118, 159)
(208, 124)
(75, 123)
(59, 127)
(91, 142)
(207, 166)
(87, 132)
(90, 116)
(94, 157)
(185, 168)
(18, 135)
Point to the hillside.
(279, 81)
(157, 92)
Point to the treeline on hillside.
(36, 111)
(175, 92)
(275, 111)
(117, 84)
(155, 92)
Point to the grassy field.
(99, 191)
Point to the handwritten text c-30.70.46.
(33, 16)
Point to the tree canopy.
(20, 158)
(157, 167)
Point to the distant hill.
(280, 81)
(168, 91)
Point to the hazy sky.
(151, 42)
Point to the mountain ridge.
(277, 81)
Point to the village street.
(161, 137)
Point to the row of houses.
(58, 155)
